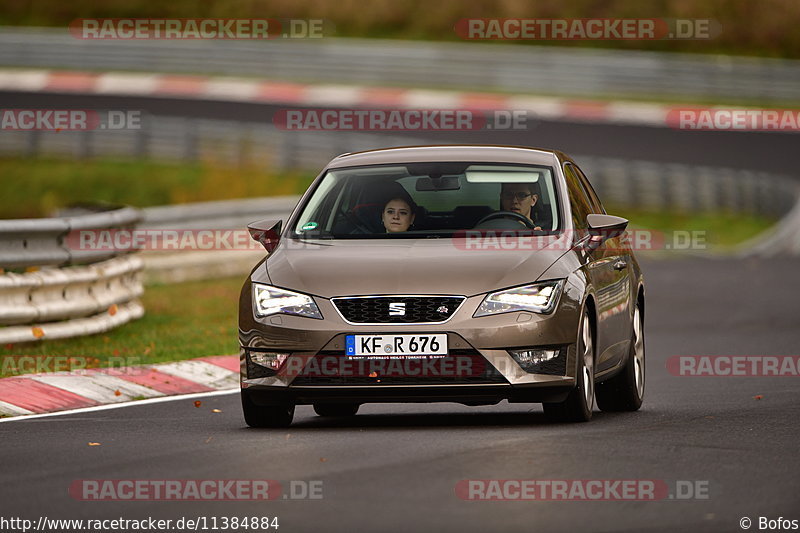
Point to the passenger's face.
(517, 197)
(397, 216)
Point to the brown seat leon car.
(469, 274)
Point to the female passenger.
(398, 214)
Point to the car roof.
(449, 152)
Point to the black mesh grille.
(416, 309)
(460, 367)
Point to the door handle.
(620, 265)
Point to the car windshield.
(421, 200)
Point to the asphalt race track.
(395, 467)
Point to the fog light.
(538, 360)
(271, 360)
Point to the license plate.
(382, 345)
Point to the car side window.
(578, 199)
(597, 205)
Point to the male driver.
(520, 198)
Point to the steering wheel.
(359, 225)
(507, 214)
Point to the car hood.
(405, 266)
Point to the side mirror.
(267, 232)
(604, 227)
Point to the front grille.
(460, 367)
(398, 309)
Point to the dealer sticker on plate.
(375, 345)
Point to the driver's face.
(517, 197)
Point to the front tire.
(625, 391)
(578, 405)
(266, 416)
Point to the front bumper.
(485, 339)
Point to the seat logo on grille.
(397, 309)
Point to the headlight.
(271, 300)
(538, 298)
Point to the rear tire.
(336, 409)
(266, 416)
(578, 405)
(625, 391)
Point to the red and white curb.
(58, 391)
(274, 92)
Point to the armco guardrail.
(174, 267)
(782, 239)
(224, 214)
(512, 68)
(65, 292)
(70, 302)
(684, 188)
(40, 242)
(670, 186)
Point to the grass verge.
(181, 321)
(36, 187)
(719, 231)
